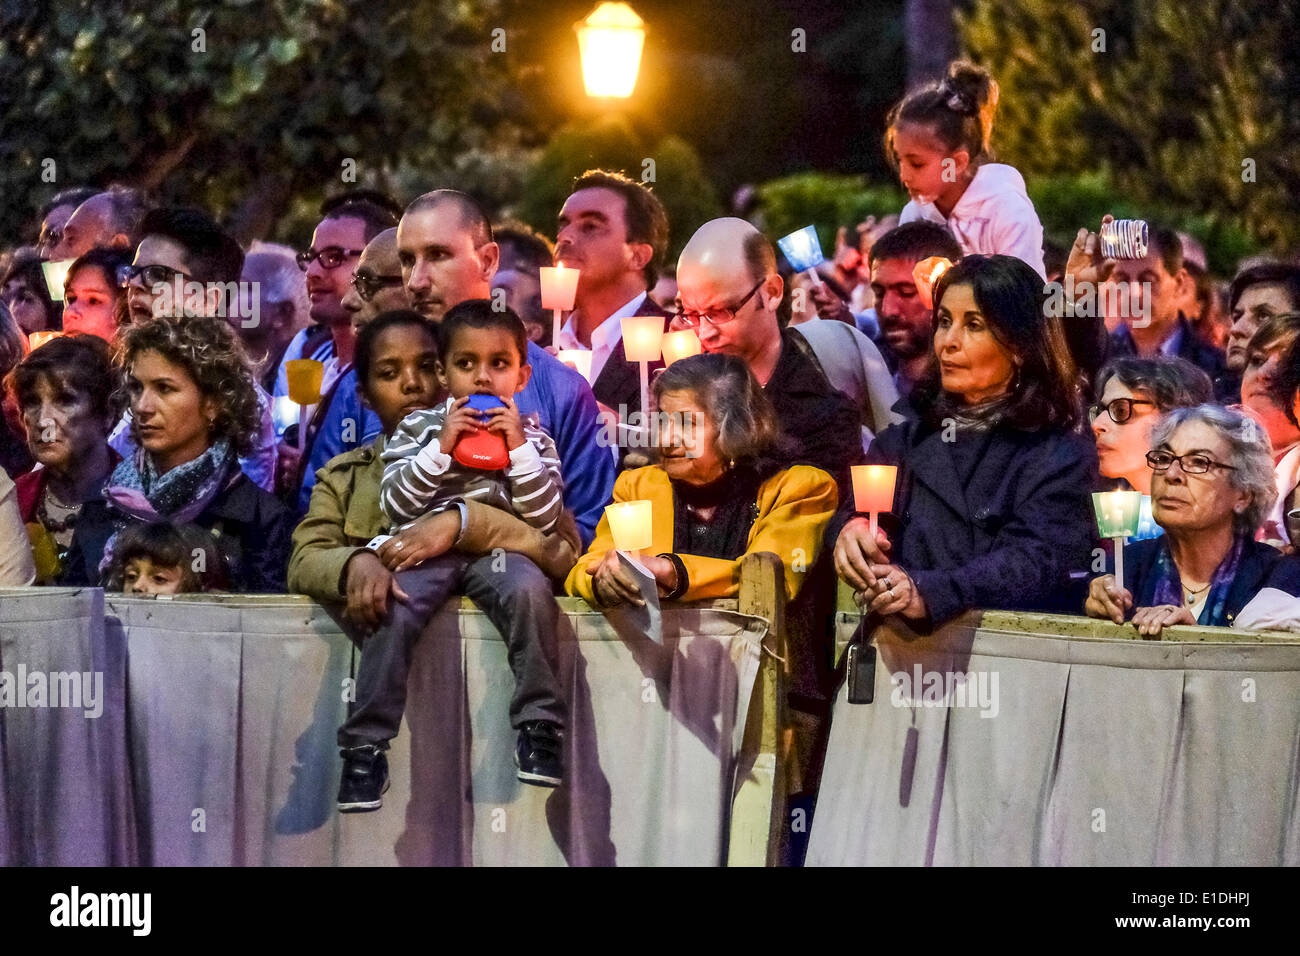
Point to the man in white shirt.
(615, 231)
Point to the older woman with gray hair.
(717, 494)
(1211, 486)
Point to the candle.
(873, 490)
(680, 345)
(559, 289)
(803, 250)
(630, 525)
(37, 339)
(55, 275)
(643, 342)
(926, 273)
(1118, 513)
(580, 359)
(305, 376)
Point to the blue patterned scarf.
(1169, 585)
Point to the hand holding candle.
(559, 289)
(304, 378)
(873, 491)
(1117, 518)
(37, 339)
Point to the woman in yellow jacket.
(718, 493)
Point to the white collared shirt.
(604, 337)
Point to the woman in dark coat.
(991, 506)
(194, 410)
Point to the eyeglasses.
(151, 275)
(714, 317)
(368, 284)
(331, 257)
(1119, 409)
(1190, 464)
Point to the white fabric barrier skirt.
(1033, 740)
(216, 744)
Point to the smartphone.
(1124, 239)
(861, 673)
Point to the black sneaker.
(537, 755)
(365, 779)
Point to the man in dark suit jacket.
(615, 231)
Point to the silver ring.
(399, 546)
(891, 594)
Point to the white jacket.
(994, 215)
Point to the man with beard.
(906, 321)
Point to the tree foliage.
(1186, 108)
(241, 105)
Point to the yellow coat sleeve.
(794, 507)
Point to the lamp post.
(610, 42)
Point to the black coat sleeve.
(266, 548)
(1047, 533)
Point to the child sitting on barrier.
(483, 360)
(162, 558)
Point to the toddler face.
(142, 576)
(484, 362)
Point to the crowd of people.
(146, 445)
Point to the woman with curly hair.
(194, 410)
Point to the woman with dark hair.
(991, 502)
(717, 493)
(14, 457)
(23, 289)
(63, 391)
(1264, 396)
(93, 299)
(194, 409)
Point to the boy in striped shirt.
(481, 352)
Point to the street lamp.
(610, 42)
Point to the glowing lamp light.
(873, 490)
(609, 43)
(580, 359)
(680, 345)
(802, 249)
(56, 273)
(925, 275)
(630, 525)
(284, 412)
(37, 339)
(559, 289)
(1118, 514)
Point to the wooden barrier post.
(758, 807)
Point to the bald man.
(448, 255)
(377, 284)
(108, 219)
(729, 291)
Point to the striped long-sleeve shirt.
(419, 478)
